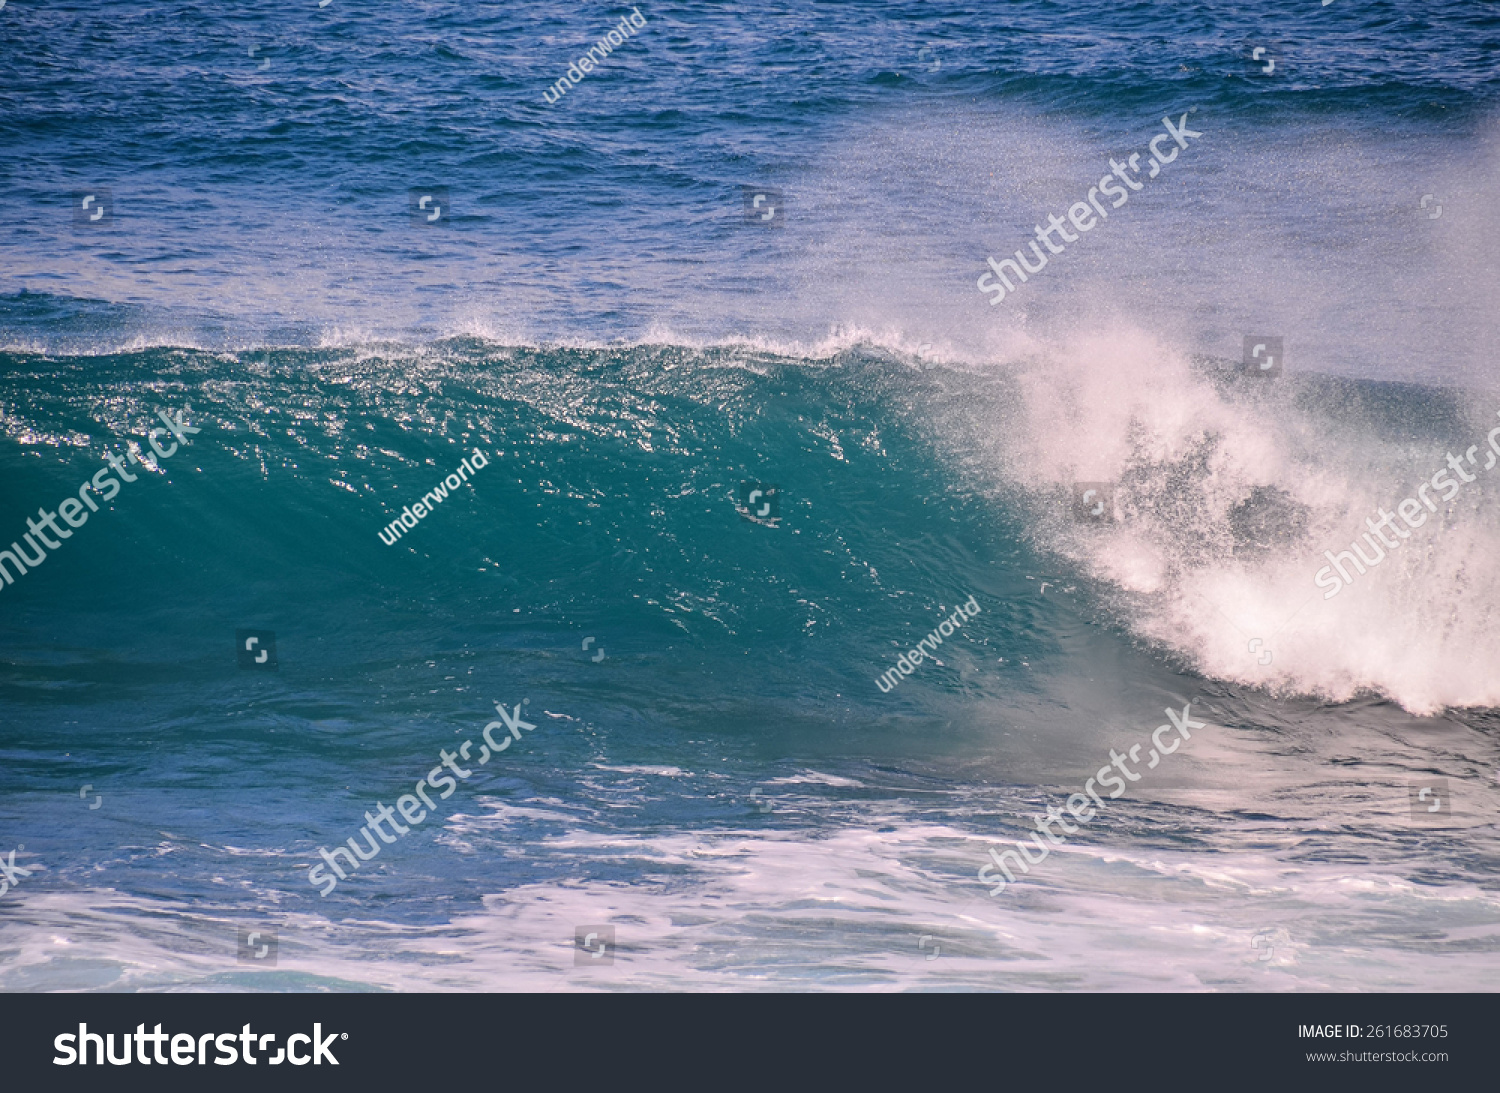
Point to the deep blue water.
(728, 787)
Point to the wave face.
(615, 479)
(732, 739)
(712, 766)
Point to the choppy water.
(727, 787)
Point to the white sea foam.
(857, 907)
(1191, 457)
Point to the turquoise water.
(727, 786)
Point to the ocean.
(695, 481)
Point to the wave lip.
(1229, 492)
